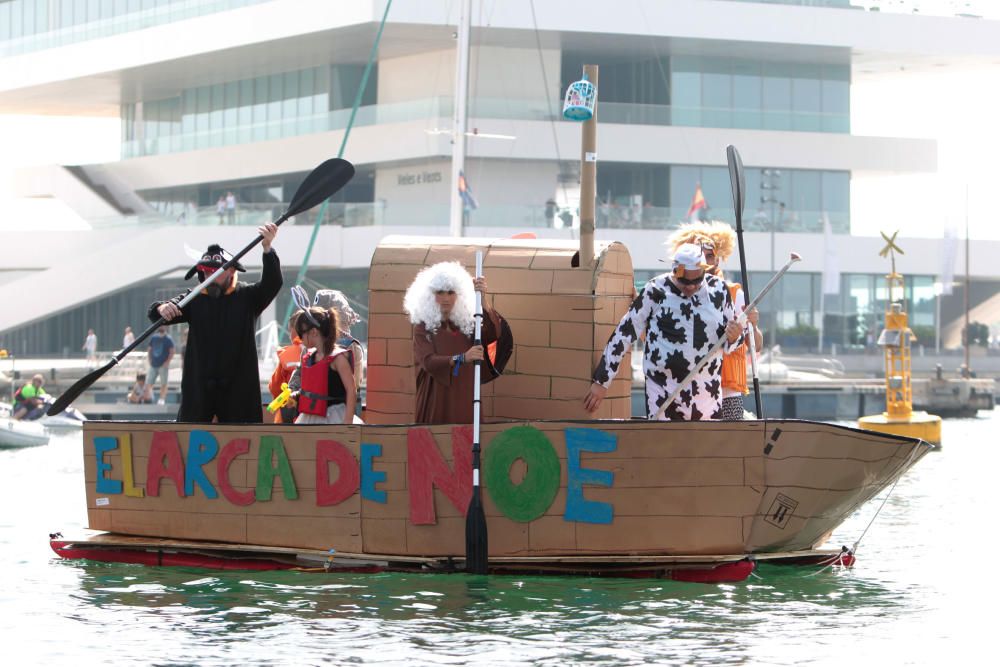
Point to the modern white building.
(247, 96)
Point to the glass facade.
(633, 195)
(705, 91)
(238, 112)
(760, 95)
(30, 25)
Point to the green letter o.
(530, 499)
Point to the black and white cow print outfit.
(679, 332)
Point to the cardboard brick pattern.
(561, 318)
(677, 489)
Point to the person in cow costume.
(682, 314)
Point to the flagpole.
(461, 101)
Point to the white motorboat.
(36, 422)
(18, 433)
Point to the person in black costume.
(221, 380)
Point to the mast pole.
(457, 210)
(588, 177)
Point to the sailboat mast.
(588, 177)
(460, 116)
(967, 337)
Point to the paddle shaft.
(742, 319)
(476, 539)
(737, 179)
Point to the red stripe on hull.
(173, 559)
(727, 572)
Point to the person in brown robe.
(441, 305)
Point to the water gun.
(280, 400)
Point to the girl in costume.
(325, 377)
(336, 300)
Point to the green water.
(922, 592)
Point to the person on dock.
(142, 392)
(717, 241)
(682, 314)
(159, 354)
(289, 358)
(221, 379)
(30, 397)
(90, 347)
(346, 317)
(324, 380)
(441, 305)
(128, 338)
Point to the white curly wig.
(419, 301)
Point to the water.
(922, 593)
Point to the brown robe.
(443, 398)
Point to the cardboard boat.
(563, 491)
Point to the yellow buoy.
(917, 425)
(899, 417)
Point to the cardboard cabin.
(561, 317)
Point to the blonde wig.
(719, 233)
(420, 305)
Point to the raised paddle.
(739, 184)
(322, 182)
(742, 319)
(476, 540)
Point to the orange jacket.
(289, 358)
(734, 364)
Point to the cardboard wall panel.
(668, 488)
(341, 534)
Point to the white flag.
(949, 251)
(831, 264)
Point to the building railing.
(117, 23)
(499, 108)
(963, 8)
(367, 214)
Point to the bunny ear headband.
(301, 300)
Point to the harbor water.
(922, 592)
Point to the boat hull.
(16, 433)
(551, 489)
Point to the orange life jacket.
(289, 358)
(315, 394)
(734, 364)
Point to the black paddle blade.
(476, 540)
(738, 181)
(78, 388)
(322, 182)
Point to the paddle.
(322, 182)
(742, 319)
(738, 180)
(476, 540)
